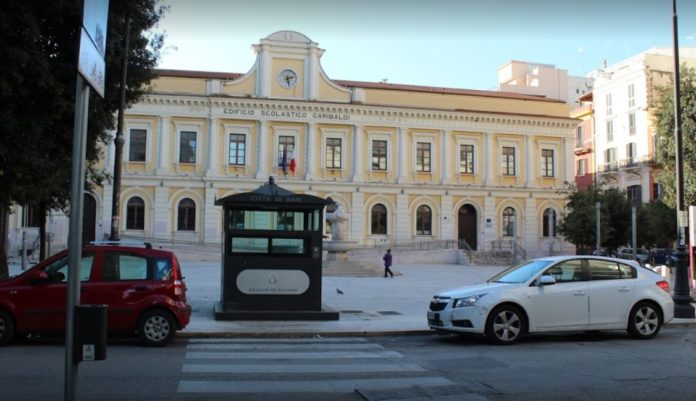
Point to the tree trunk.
(4, 270)
(42, 231)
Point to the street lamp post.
(682, 298)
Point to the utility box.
(272, 256)
(90, 333)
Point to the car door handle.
(624, 289)
(579, 293)
(140, 288)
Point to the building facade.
(624, 135)
(542, 80)
(406, 163)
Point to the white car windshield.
(520, 273)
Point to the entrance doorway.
(89, 219)
(467, 225)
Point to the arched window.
(549, 222)
(424, 220)
(135, 214)
(509, 222)
(379, 219)
(186, 215)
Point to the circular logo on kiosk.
(272, 282)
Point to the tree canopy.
(663, 111)
(39, 43)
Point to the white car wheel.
(645, 321)
(505, 325)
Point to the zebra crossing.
(297, 365)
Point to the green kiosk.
(272, 251)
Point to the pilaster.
(528, 163)
(262, 151)
(357, 218)
(163, 141)
(402, 232)
(212, 151)
(357, 152)
(487, 157)
(310, 161)
(211, 215)
(531, 229)
(161, 225)
(402, 155)
(447, 220)
(489, 222)
(445, 158)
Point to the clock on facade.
(287, 78)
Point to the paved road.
(605, 366)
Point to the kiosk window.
(266, 220)
(249, 245)
(295, 246)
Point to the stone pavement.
(367, 305)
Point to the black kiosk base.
(271, 261)
(238, 314)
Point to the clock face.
(287, 78)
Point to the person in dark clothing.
(387, 263)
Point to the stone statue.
(337, 218)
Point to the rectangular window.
(121, 266)
(237, 150)
(610, 131)
(508, 165)
(581, 168)
(423, 157)
(32, 216)
(285, 144)
(631, 95)
(333, 153)
(610, 159)
(379, 155)
(466, 159)
(631, 151)
(579, 137)
(547, 163)
(631, 123)
(609, 109)
(187, 147)
(137, 146)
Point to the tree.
(39, 44)
(663, 111)
(579, 223)
(657, 224)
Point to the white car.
(557, 293)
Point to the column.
(357, 217)
(531, 232)
(262, 152)
(357, 153)
(160, 215)
(312, 74)
(263, 74)
(645, 187)
(107, 204)
(569, 160)
(447, 220)
(401, 226)
(487, 157)
(401, 155)
(490, 220)
(446, 151)
(163, 144)
(529, 164)
(212, 151)
(310, 161)
(211, 216)
(110, 154)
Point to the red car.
(142, 287)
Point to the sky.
(444, 43)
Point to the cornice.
(360, 113)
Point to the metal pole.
(598, 246)
(682, 298)
(634, 236)
(119, 140)
(77, 184)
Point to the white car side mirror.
(547, 280)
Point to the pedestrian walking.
(387, 258)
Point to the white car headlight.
(467, 301)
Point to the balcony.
(608, 167)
